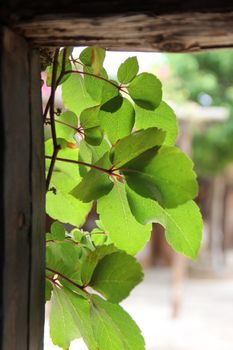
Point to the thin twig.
(46, 108)
(58, 80)
(109, 172)
(56, 147)
(79, 162)
(52, 281)
(97, 77)
(64, 123)
(52, 96)
(67, 279)
(51, 166)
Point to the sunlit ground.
(204, 323)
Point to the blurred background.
(185, 305)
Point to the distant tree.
(206, 78)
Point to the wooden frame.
(22, 199)
(149, 25)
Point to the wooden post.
(22, 197)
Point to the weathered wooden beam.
(149, 25)
(186, 32)
(15, 194)
(37, 230)
(22, 197)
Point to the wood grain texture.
(149, 25)
(187, 32)
(22, 217)
(15, 196)
(37, 233)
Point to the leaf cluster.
(85, 282)
(114, 146)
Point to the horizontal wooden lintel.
(186, 32)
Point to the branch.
(56, 147)
(110, 171)
(61, 122)
(67, 279)
(79, 162)
(58, 80)
(97, 77)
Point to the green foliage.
(124, 231)
(213, 150)
(57, 231)
(184, 237)
(132, 146)
(118, 330)
(113, 280)
(62, 327)
(117, 123)
(206, 78)
(93, 57)
(128, 70)
(70, 269)
(162, 117)
(117, 155)
(95, 183)
(75, 96)
(146, 91)
(60, 204)
(171, 185)
(68, 67)
(66, 126)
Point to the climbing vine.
(112, 145)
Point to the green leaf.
(146, 91)
(62, 327)
(89, 117)
(113, 104)
(60, 205)
(65, 174)
(66, 126)
(113, 280)
(48, 289)
(64, 207)
(110, 93)
(94, 57)
(95, 183)
(99, 238)
(80, 312)
(113, 328)
(166, 177)
(124, 231)
(77, 234)
(183, 224)
(58, 231)
(91, 260)
(162, 117)
(65, 258)
(128, 70)
(117, 123)
(75, 96)
(94, 136)
(70, 318)
(91, 154)
(94, 84)
(68, 66)
(135, 144)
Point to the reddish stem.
(67, 279)
(97, 77)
